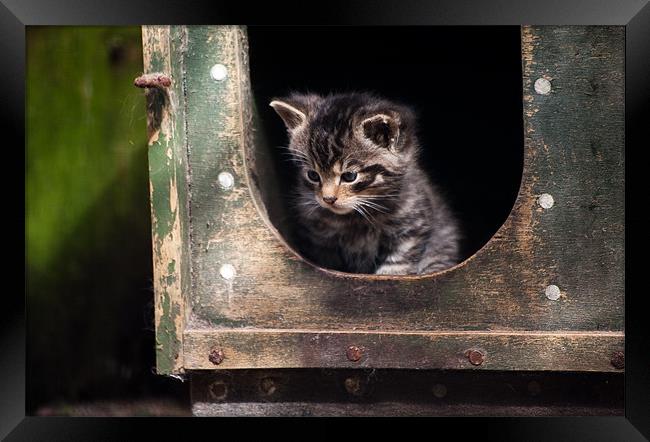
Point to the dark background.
(464, 83)
(90, 330)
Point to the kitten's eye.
(313, 175)
(348, 177)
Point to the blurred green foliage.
(85, 129)
(89, 289)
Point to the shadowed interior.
(464, 84)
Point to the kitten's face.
(348, 149)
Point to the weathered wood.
(573, 151)
(169, 193)
(309, 392)
(275, 303)
(306, 409)
(564, 351)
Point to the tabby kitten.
(364, 204)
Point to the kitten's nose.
(329, 199)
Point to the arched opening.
(463, 82)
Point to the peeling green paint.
(168, 189)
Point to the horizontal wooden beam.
(301, 409)
(480, 350)
(387, 392)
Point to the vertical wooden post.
(168, 172)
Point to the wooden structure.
(545, 294)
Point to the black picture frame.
(15, 15)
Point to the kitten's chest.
(358, 247)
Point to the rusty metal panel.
(555, 267)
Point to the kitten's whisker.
(313, 209)
(358, 210)
(370, 208)
(379, 197)
(375, 206)
(296, 158)
(365, 214)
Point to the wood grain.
(268, 314)
(169, 194)
(565, 351)
(573, 150)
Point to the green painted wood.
(501, 287)
(523, 351)
(573, 151)
(168, 176)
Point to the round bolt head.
(546, 200)
(218, 72)
(552, 292)
(354, 386)
(226, 180)
(216, 356)
(227, 271)
(475, 357)
(218, 390)
(618, 360)
(268, 386)
(439, 391)
(353, 353)
(542, 86)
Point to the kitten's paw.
(393, 269)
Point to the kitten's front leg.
(399, 260)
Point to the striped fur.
(390, 219)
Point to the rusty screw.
(354, 386)
(618, 360)
(475, 357)
(218, 390)
(354, 353)
(268, 386)
(216, 356)
(160, 81)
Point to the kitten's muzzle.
(330, 199)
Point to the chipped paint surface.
(167, 174)
(497, 288)
(500, 289)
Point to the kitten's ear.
(292, 116)
(381, 129)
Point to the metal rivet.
(439, 391)
(354, 386)
(542, 86)
(227, 271)
(216, 356)
(475, 357)
(218, 72)
(218, 390)
(226, 180)
(618, 360)
(353, 353)
(546, 200)
(268, 386)
(553, 292)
